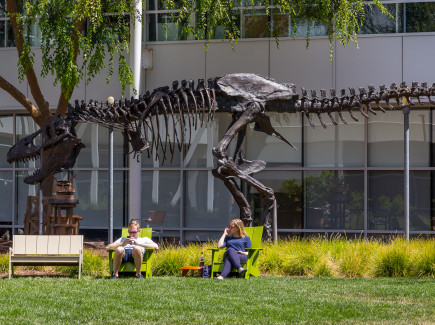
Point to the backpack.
(206, 271)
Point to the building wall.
(363, 156)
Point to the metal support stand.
(110, 210)
(41, 201)
(275, 223)
(406, 111)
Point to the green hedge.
(336, 257)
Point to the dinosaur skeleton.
(248, 97)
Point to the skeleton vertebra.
(247, 97)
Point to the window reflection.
(208, 203)
(336, 146)
(6, 138)
(376, 22)
(334, 200)
(420, 17)
(386, 200)
(6, 188)
(288, 194)
(161, 191)
(386, 148)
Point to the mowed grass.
(190, 300)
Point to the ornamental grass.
(310, 257)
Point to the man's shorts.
(128, 257)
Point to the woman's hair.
(239, 224)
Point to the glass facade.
(406, 17)
(345, 178)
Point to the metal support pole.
(406, 111)
(41, 201)
(275, 223)
(110, 210)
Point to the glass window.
(312, 28)
(199, 154)
(23, 191)
(386, 200)
(255, 24)
(150, 27)
(288, 193)
(161, 191)
(280, 24)
(168, 29)
(334, 199)
(6, 138)
(162, 156)
(420, 17)
(377, 23)
(336, 146)
(386, 134)
(96, 152)
(92, 190)
(208, 202)
(275, 152)
(6, 202)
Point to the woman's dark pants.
(232, 259)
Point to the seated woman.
(236, 241)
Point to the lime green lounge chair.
(128, 266)
(255, 234)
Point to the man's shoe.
(114, 277)
(139, 276)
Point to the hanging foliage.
(341, 18)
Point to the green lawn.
(174, 300)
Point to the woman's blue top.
(238, 243)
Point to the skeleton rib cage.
(185, 107)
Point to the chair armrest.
(254, 249)
(215, 249)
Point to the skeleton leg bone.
(229, 168)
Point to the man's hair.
(134, 223)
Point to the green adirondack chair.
(255, 234)
(128, 266)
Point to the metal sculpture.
(248, 97)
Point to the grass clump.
(4, 263)
(94, 265)
(393, 259)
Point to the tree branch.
(35, 89)
(22, 99)
(62, 105)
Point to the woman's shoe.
(242, 272)
(220, 278)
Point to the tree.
(96, 30)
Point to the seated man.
(131, 249)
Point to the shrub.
(393, 259)
(4, 263)
(93, 265)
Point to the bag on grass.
(206, 271)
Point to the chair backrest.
(255, 234)
(144, 232)
(156, 217)
(47, 244)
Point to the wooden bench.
(46, 250)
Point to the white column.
(135, 165)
